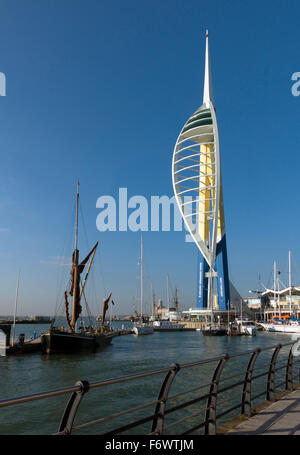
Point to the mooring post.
(246, 399)
(211, 406)
(72, 406)
(289, 371)
(271, 375)
(159, 417)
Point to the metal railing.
(211, 395)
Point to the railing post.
(246, 400)
(211, 406)
(72, 406)
(289, 371)
(271, 375)
(159, 417)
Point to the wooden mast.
(76, 295)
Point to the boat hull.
(28, 346)
(142, 330)
(214, 332)
(69, 342)
(176, 329)
(250, 331)
(284, 328)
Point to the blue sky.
(98, 91)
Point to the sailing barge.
(60, 340)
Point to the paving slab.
(280, 418)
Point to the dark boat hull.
(27, 347)
(183, 329)
(55, 342)
(214, 332)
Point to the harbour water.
(31, 373)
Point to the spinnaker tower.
(197, 184)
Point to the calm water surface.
(31, 373)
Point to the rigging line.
(57, 315)
(88, 311)
(101, 270)
(65, 251)
(85, 300)
(283, 284)
(296, 268)
(92, 280)
(286, 270)
(171, 288)
(83, 224)
(61, 302)
(282, 274)
(269, 280)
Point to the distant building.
(40, 318)
(269, 303)
(165, 313)
(253, 303)
(286, 300)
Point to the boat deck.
(28, 347)
(280, 418)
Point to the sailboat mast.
(141, 265)
(290, 282)
(176, 299)
(76, 222)
(15, 310)
(153, 299)
(278, 297)
(75, 265)
(168, 296)
(275, 287)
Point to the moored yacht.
(281, 326)
(246, 327)
(141, 327)
(167, 326)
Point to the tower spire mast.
(207, 92)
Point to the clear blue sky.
(99, 90)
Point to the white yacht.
(166, 326)
(289, 327)
(246, 327)
(142, 328)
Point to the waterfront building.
(270, 303)
(166, 313)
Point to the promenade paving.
(280, 418)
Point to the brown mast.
(76, 276)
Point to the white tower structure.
(197, 184)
